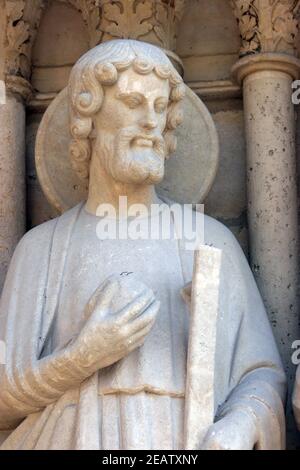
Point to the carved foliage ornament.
(154, 21)
(22, 20)
(267, 25)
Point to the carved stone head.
(125, 101)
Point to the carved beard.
(128, 162)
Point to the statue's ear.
(186, 293)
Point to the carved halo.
(190, 172)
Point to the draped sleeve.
(21, 315)
(27, 309)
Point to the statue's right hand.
(119, 315)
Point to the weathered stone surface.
(208, 40)
(272, 193)
(227, 197)
(51, 64)
(39, 210)
(200, 399)
(12, 179)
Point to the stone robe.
(139, 401)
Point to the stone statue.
(97, 331)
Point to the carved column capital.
(269, 61)
(18, 86)
(267, 25)
(153, 21)
(22, 21)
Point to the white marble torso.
(161, 362)
(138, 402)
(144, 392)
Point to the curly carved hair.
(100, 67)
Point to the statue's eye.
(161, 106)
(132, 102)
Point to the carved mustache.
(131, 135)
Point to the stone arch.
(61, 39)
(208, 40)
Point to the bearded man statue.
(96, 330)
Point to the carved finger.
(136, 307)
(138, 338)
(148, 317)
(103, 294)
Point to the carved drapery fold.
(267, 25)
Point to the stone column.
(19, 20)
(12, 170)
(266, 71)
(272, 187)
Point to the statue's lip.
(143, 141)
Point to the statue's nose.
(149, 124)
(149, 121)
